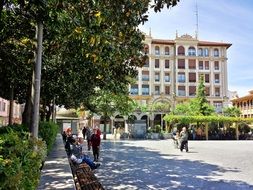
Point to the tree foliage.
(160, 107)
(203, 119)
(107, 103)
(232, 111)
(87, 44)
(201, 103)
(196, 106)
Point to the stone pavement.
(151, 164)
(56, 173)
(156, 164)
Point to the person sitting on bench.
(78, 157)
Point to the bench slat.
(84, 177)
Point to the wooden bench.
(84, 177)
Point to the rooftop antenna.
(197, 20)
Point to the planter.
(155, 136)
(148, 136)
(165, 135)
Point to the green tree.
(198, 105)
(94, 50)
(106, 104)
(201, 102)
(232, 111)
(87, 44)
(160, 106)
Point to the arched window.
(216, 52)
(191, 51)
(206, 52)
(167, 50)
(157, 50)
(200, 52)
(180, 50)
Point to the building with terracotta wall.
(245, 104)
(4, 112)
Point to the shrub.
(21, 158)
(157, 129)
(48, 132)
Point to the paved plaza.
(156, 164)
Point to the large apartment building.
(171, 74)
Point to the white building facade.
(172, 72)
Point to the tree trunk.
(37, 79)
(104, 135)
(27, 114)
(105, 119)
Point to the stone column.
(126, 124)
(151, 120)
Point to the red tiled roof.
(247, 97)
(160, 41)
(206, 43)
(200, 43)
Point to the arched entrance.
(130, 121)
(160, 107)
(145, 117)
(119, 123)
(158, 120)
(105, 124)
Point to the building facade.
(245, 104)
(4, 112)
(172, 72)
(171, 76)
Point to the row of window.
(202, 65)
(202, 52)
(181, 90)
(181, 77)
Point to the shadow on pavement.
(128, 167)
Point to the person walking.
(69, 141)
(84, 131)
(184, 139)
(88, 137)
(95, 143)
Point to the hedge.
(194, 119)
(21, 156)
(20, 159)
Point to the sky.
(228, 21)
